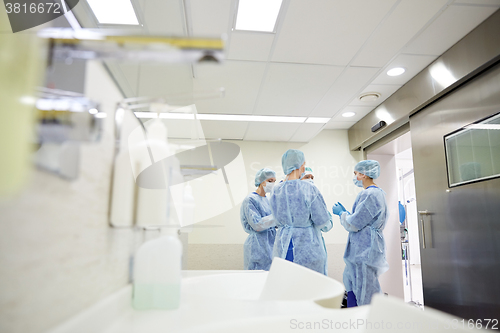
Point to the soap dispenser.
(157, 272)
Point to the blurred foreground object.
(68, 44)
(21, 61)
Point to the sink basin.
(237, 286)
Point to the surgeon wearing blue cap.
(301, 215)
(259, 223)
(364, 255)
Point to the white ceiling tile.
(327, 31)
(306, 132)
(413, 65)
(210, 18)
(242, 46)
(339, 125)
(294, 89)
(179, 129)
(347, 86)
(402, 25)
(479, 2)
(439, 37)
(241, 80)
(224, 129)
(160, 80)
(164, 17)
(360, 112)
(258, 131)
(385, 92)
(131, 73)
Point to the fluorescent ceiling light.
(151, 115)
(317, 120)
(257, 15)
(187, 116)
(234, 117)
(484, 126)
(114, 11)
(93, 111)
(348, 114)
(396, 71)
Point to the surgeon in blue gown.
(301, 215)
(364, 255)
(259, 223)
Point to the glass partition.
(473, 152)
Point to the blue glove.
(338, 209)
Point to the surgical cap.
(307, 172)
(291, 160)
(369, 168)
(264, 174)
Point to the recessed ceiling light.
(257, 15)
(114, 11)
(396, 71)
(348, 114)
(369, 97)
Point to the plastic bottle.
(157, 272)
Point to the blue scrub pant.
(351, 300)
(289, 253)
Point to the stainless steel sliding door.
(459, 226)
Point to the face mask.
(302, 175)
(357, 182)
(269, 187)
(309, 181)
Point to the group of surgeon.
(288, 224)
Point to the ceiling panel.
(164, 17)
(210, 18)
(479, 2)
(131, 73)
(413, 65)
(242, 46)
(163, 80)
(327, 31)
(401, 26)
(241, 80)
(360, 112)
(224, 129)
(347, 86)
(306, 132)
(385, 90)
(339, 125)
(258, 131)
(438, 37)
(179, 129)
(294, 89)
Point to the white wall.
(391, 281)
(57, 252)
(332, 163)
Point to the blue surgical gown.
(364, 255)
(259, 244)
(301, 214)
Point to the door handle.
(423, 213)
